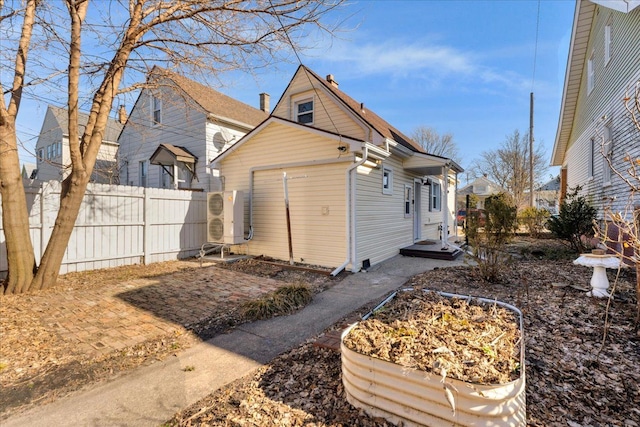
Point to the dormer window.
(304, 111)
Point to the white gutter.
(351, 212)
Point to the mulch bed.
(575, 376)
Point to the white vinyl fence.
(117, 225)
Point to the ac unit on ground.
(225, 217)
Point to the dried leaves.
(472, 341)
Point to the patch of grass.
(283, 301)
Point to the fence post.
(146, 229)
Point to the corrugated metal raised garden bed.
(429, 358)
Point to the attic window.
(304, 111)
(156, 110)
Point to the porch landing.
(433, 249)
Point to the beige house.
(481, 188)
(358, 189)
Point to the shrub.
(284, 300)
(534, 220)
(575, 221)
(488, 241)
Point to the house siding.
(604, 106)
(381, 226)
(316, 194)
(328, 115)
(49, 134)
(183, 124)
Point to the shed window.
(304, 111)
(435, 196)
(387, 180)
(408, 200)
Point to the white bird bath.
(599, 263)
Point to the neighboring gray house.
(602, 69)
(52, 149)
(176, 127)
(482, 188)
(547, 196)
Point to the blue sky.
(464, 67)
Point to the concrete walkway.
(151, 395)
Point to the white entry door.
(417, 217)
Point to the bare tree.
(508, 165)
(94, 52)
(434, 143)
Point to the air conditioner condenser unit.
(225, 217)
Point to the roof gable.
(212, 101)
(61, 115)
(368, 117)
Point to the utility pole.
(531, 150)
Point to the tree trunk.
(73, 190)
(15, 216)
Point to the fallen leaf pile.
(571, 378)
(467, 340)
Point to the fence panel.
(117, 225)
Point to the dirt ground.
(576, 375)
(159, 306)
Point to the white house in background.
(603, 67)
(176, 127)
(547, 196)
(359, 190)
(52, 149)
(481, 188)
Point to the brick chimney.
(122, 115)
(264, 102)
(332, 81)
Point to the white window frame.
(40, 154)
(388, 188)
(156, 110)
(408, 201)
(591, 73)
(607, 43)
(607, 147)
(435, 196)
(591, 158)
(296, 114)
(143, 173)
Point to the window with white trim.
(591, 157)
(436, 196)
(387, 180)
(304, 111)
(156, 110)
(608, 154)
(143, 171)
(40, 154)
(408, 201)
(607, 43)
(591, 74)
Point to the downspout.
(351, 213)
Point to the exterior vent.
(225, 217)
